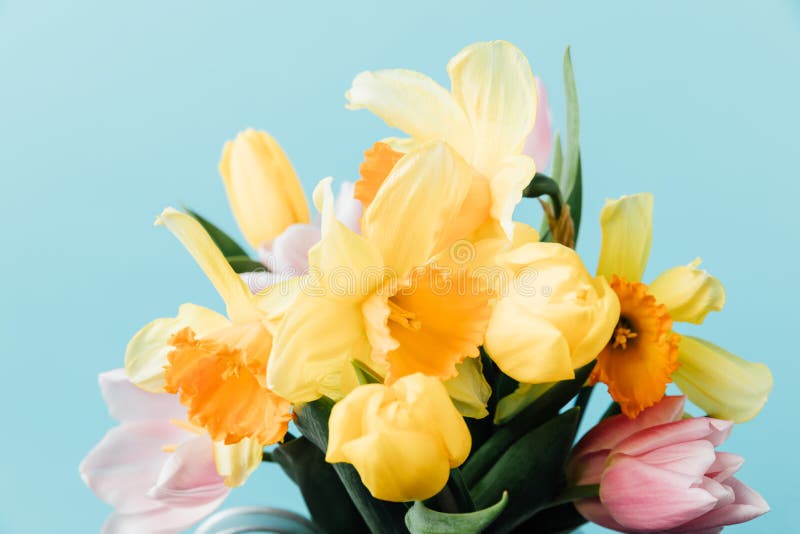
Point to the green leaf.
(575, 199)
(570, 167)
(555, 173)
(557, 520)
(323, 492)
(365, 374)
(543, 407)
(243, 264)
(423, 520)
(521, 398)
(226, 243)
(530, 470)
(380, 516)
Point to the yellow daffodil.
(265, 195)
(644, 354)
(378, 298)
(216, 365)
(486, 117)
(553, 318)
(402, 439)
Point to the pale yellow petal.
(237, 461)
(416, 205)
(313, 344)
(688, 293)
(345, 264)
(507, 183)
(469, 390)
(264, 192)
(523, 234)
(493, 83)
(146, 354)
(275, 300)
(205, 252)
(627, 225)
(403, 144)
(721, 383)
(415, 104)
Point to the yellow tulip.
(402, 439)
(554, 318)
(265, 195)
(644, 354)
(378, 298)
(485, 117)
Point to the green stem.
(544, 185)
(266, 456)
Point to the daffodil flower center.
(403, 317)
(623, 333)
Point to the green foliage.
(422, 520)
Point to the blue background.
(109, 111)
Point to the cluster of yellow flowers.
(414, 291)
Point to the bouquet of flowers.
(416, 360)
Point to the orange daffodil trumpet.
(216, 364)
(486, 116)
(644, 354)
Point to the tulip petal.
(725, 465)
(416, 205)
(643, 497)
(721, 383)
(493, 83)
(210, 259)
(714, 431)
(189, 477)
(688, 293)
(540, 141)
(594, 511)
(263, 189)
(237, 461)
(627, 225)
(348, 208)
(126, 463)
(127, 402)
(146, 353)
(688, 457)
(413, 103)
(164, 520)
(747, 505)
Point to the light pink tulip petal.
(715, 431)
(689, 458)
(126, 402)
(127, 462)
(348, 208)
(721, 492)
(594, 511)
(539, 143)
(643, 497)
(725, 465)
(189, 477)
(747, 505)
(164, 520)
(613, 430)
(588, 470)
(258, 281)
(290, 248)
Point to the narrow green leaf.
(243, 264)
(575, 198)
(423, 520)
(380, 516)
(542, 408)
(365, 374)
(323, 492)
(530, 470)
(555, 173)
(570, 166)
(226, 243)
(521, 398)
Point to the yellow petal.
(416, 205)
(413, 103)
(264, 192)
(688, 293)
(344, 264)
(202, 248)
(313, 344)
(493, 83)
(235, 462)
(627, 225)
(511, 177)
(146, 354)
(469, 390)
(402, 144)
(721, 383)
(523, 234)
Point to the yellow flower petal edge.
(627, 225)
(723, 384)
(146, 353)
(205, 252)
(688, 293)
(402, 439)
(263, 189)
(237, 461)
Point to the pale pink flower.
(152, 490)
(661, 473)
(539, 143)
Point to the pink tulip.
(286, 256)
(151, 490)
(540, 140)
(661, 473)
